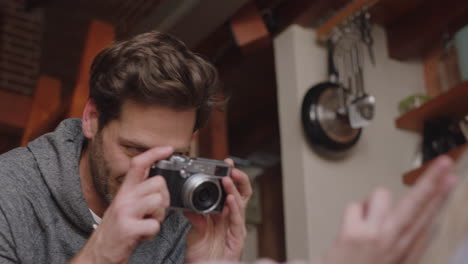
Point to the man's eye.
(134, 150)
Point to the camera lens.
(205, 196)
(201, 193)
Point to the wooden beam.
(249, 29)
(100, 35)
(45, 109)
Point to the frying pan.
(324, 118)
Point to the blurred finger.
(353, 218)
(230, 162)
(378, 207)
(421, 194)
(423, 222)
(416, 249)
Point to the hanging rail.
(324, 31)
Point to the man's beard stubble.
(100, 169)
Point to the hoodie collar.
(58, 156)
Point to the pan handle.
(333, 75)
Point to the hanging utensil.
(362, 107)
(365, 28)
(324, 124)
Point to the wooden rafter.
(46, 109)
(14, 110)
(249, 29)
(100, 35)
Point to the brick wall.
(20, 46)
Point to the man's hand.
(374, 232)
(134, 215)
(221, 236)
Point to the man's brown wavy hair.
(153, 69)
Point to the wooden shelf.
(411, 177)
(452, 103)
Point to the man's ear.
(90, 119)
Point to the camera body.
(194, 183)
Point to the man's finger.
(236, 221)
(140, 164)
(147, 228)
(420, 195)
(200, 224)
(242, 181)
(231, 189)
(156, 184)
(151, 205)
(243, 184)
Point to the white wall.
(316, 190)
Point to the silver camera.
(194, 183)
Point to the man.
(83, 193)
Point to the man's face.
(138, 129)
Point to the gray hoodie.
(44, 217)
